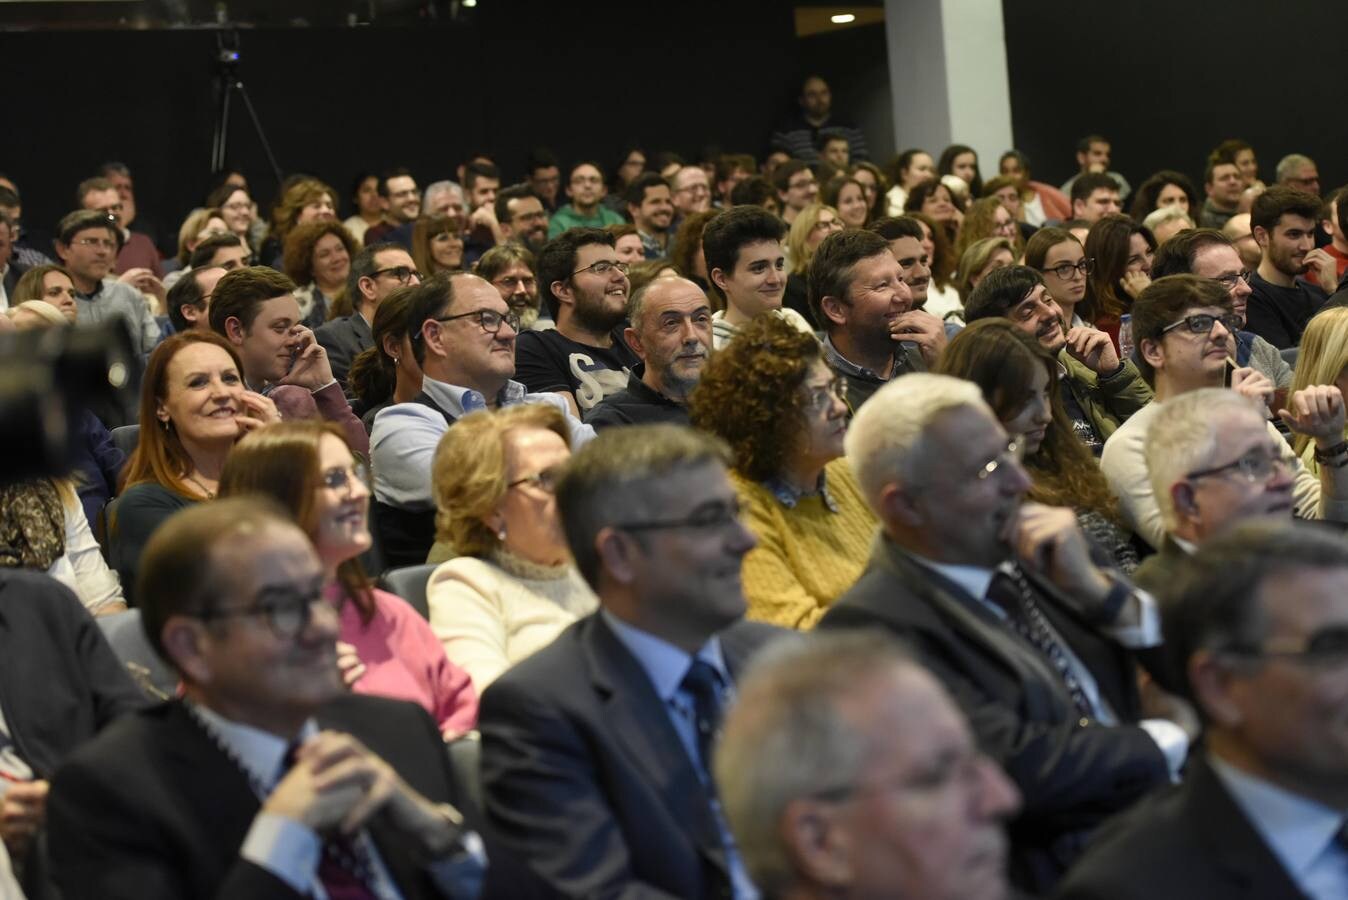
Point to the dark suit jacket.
(153, 809)
(586, 780)
(1190, 842)
(12, 276)
(344, 339)
(1071, 777)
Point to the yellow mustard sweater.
(808, 556)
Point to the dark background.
(1165, 82)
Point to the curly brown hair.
(1000, 359)
(298, 195)
(297, 258)
(750, 396)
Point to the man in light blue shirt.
(596, 750)
(463, 337)
(1256, 623)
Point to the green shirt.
(567, 218)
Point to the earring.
(501, 534)
(166, 424)
(397, 361)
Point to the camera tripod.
(227, 72)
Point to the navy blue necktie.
(703, 684)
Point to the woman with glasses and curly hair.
(772, 398)
(309, 469)
(1019, 380)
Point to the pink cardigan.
(404, 660)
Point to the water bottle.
(1126, 336)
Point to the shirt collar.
(1297, 829)
(664, 664)
(459, 401)
(644, 391)
(789, 495)
(974, 580)
(260, 753)
(844, 365)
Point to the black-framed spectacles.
(402, 274)
(603, 267)
(1064, 270)
(717, 515)
(489, 320)
(1201, 323)
(1256, 467)
(340, 479)
(1229, 281)
(288, 610)
(1325, 649)
(545, 481)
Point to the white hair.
(1163, 214)
(886, 436)
(1183, 438)
(439, 187)
(1290, 163)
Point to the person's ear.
(818, 843)
(834, 310)
(618, 552)
(190, 314)
(184, 641)
(367, 293)
(633, 338)
(1184, 498)
(1078, 209)
(1215, 688)
(897, 504)
(1152, 352)
(1260, 235)
(234, 330)
(718, 278)
(563, 292)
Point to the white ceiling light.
(839, 19)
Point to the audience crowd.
(803, 528)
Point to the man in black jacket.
(1257, 622)
(267, 779)
(1000, 598)
(60, 684)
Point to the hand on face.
(921, 328)
(311, 368)
(1048, 540)
(1093, 348)
(1254, 386)
(1134, 283)
(257, 411)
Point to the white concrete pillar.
(947, 75)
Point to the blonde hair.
(974, 258)
(192, 226)
(978, 224)
(468, 476)
(1323, 356)
(799, 254)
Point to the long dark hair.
(1001, 360)
(1107, 244)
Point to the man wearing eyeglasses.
(377, 271)
(1208, 253)
(596, 750)
(1257, 623)
(137, 261)
(1184, 329)
(1214, 463)
(87, 242)
(1001, 599)
(463, 337)
(266, 778)
(585, 289)
(585, 187)
(1099, 391)
(796, 187)
(691, 191)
